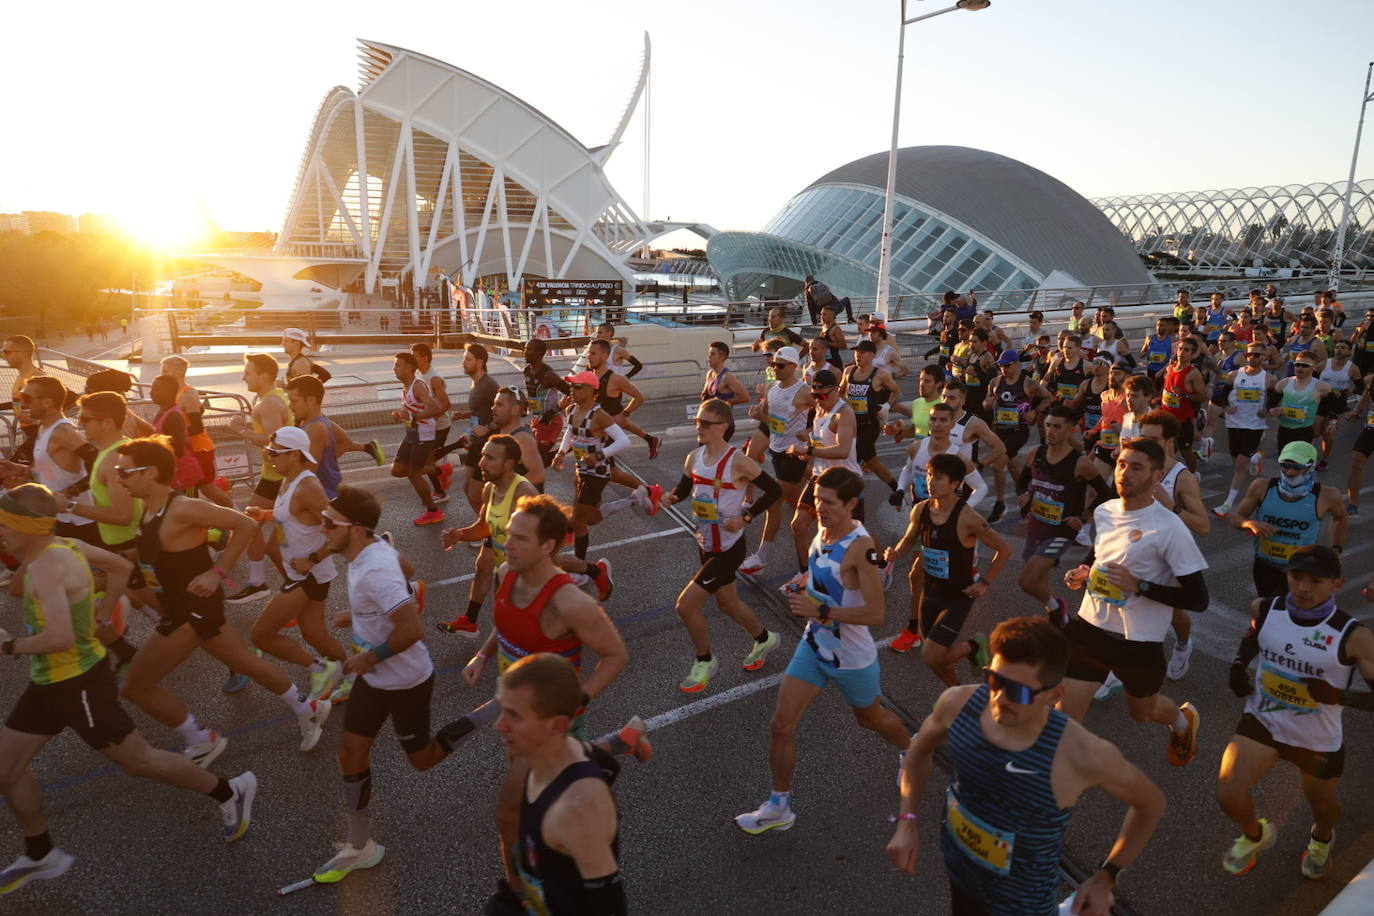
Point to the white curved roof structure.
(431, 168)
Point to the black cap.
(866, 346)
(824, 379)
(1316, 560)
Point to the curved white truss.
(461, 177)
(1292, 225)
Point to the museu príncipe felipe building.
(428, 168)
(963, 219)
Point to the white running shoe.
(322, 683)
(1179, 659)
(1110, 686)
(349, 860)
(1256, 463)
(312, 726)
(752, 564)
(202, 755)
(1084, 537)
(1222, 511)
(23, 869)
(238, 811)
(768, 817)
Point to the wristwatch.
(1112, 869)
(7, 647)
(746, 516)
(313, 557)
(823, 611)
(1142, 587)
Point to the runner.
(612, 389)
(782, 409)
(837, 344)
(1364, 446)
(620, 355)
(777, 330)
(868, 389)
(830, 444)
(59, 454)
(1105, 437)
(18, 352)
(1139, 550)
(715, 477)
(439, 473)
(294, 342)
(977, 372)
(395, 675)
(500, 456)
(920, 453)
(1215, 317)
(298, 512)
(328, 441)
(568, 841)
(887, 355)
(1299, 396)
(477, 413)
(418, 411)
(929, 381)
(721, 383)
(1303, 344)
(269, 413)
(840, 595)
(1052, 492)
(508, 419)
(1285, 513)
(819, 361)
(947, 533)
(543, 391)
(171, 546)
(1342, 376)
(71, 686)
(973, 430)
(202, 446)
(1020, 766)
(1158, 349)
(170, 421)
(1184, 388)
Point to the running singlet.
(845, 646)
(920, 416)
(715, 500)
(712, 389)
(552, 883)
(943, 554)
(1003, 829)
(1010, 404)
(975, 379)
(1175, 397)
(1092, 405)
(1064, 382)
(328, 470)
(1298, 407)
(445, 419)
(1215, 321)
(518, 632)
(865, 399)
(269, 472)
(112, 534)
(784, 419)
(498, 517)
(85, 651)
(823, 435)
(168, 572)
(1296, 524)
(413, 407)
(196, 435)
(1295, 346)
(1056, 494)
(1339, 379)
(587, 445)
(1291, 654)
(55, 477)
(1248, 395)
(612, 405)
(300, 539)
(1158, 352)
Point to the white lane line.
(607, 546)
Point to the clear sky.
(150, 111)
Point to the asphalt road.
(143, 847)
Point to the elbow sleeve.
(769, 493)
(683, 488)
(619, 441)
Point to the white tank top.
(55, 477)
(715, 499)
(921, 461)
(413, 406)
(300, 539)
(784, 419)
(1248, 396)
(1338, 379)
(1288, 654)
(445, 419)
(823, 435)
(1170, 480)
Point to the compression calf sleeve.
(357, 793)
(460, 730)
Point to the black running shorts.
(88, 704)
(588, 489)
(718, 569)
(1243, 442)
(314, 590)
(1317, 764)
(1365, 443)
(369, 707)
(866, 440)
(787, 468)
(1094, 651)
(942, 613)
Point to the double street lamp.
(885, 247)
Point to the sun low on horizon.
(168, 225)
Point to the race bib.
(1279, 690)
(533, 894)
(1248, 395)
(1276, 551)
(1369, 420)
(944, 351)
(1369, 346)
(815, 443)
(150, 576)
(1008, 416)
(1065, 389)
(1110, 438)
(918, 484)
(1296, 414)
(1171, 399)
(935, 562)
(1049, 511)
(704, 508)
(860, 405)
(1158, 359)
(776, 424)
(980, 841)
(1101, 588)
(580, 452)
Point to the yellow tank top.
(86, 650)
(498, 518)
(112, 534)
(269, 472)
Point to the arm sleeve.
(635, 366)
(1100, 488)
(619, 441)
(1190, 594)
(1275, 397)
(770, 493)
(683, 488)
(604, 896)
(904, 478)
(567, 439)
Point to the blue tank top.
(1003, 830)
(1296, 524)
(1215, 322)
(1158, 354)
(328, 472)
(846, 646)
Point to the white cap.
(788, 355)
(288, 438)
(296, 334)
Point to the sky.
(156, 112)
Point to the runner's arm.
(770, 491)
(1190, 508)
(996, 448)
(844, 437)
(1249, 502)
(619, 440)
(684, 483)
(1100, 763)
(439, 390)
(426, 397)
(120, 511)
(920, 760)
(1001, 551)
(635, 365)
(117, 571)
(738, 393)
(174, 428)
(909, 537)
(531, 459)
(197, 513)
(590, 625)
(623, 385)
(862, 558)
(582, 823)
(1340, 519)
(44, 577)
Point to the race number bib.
(935, 562)
(1158, 359)
(859, 405)
(1248, 395)
(776, 424)
(532, 892)
(580, 452)
(1276, 551)
(1008, 416)
(1101, 588)
(150, 576)
(705, 509)
(1110, 438)
(1369, 420)
(1295, 414)
(1171, 399)
(1049, 511)
(1066, 389)
(980, 841)
(1279, 690)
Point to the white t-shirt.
(376, 587)
(1154, 545)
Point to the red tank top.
(1175, 398)
(517, 628)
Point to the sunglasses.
(1254, 356)
(329, 523)
(1293, 467)
(815, 390)
(126, 473)
(1014, 691)
(700, 422)
(87, 418)
(1302, 365)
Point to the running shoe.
(768, 817)
(654, 443)
(998, 509)
(1321, 465)
(700, 675)
(312, 726)
(752, 564)
(1316, 858)
(604, 583)
(980, 658)
(1110, 686)
(633, 735)
(349, 860)
(445, 472)
(459, 626)
(1179, 659)
(1256, 463)
(1060, 615)
(429, 517)
(234, 682)
(1222, 511)
(655, 497)
(204, 754)
(1084, 537)
(1183, 748)
(758, 654)
(440, 495)
(238, 810)
(505, 902)
(322, 683)
(1244, 851)
(344, 690)
(905, 641)
(23, 869)
(373, 449)
(1352, 510)
(249, 593)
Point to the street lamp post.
(885, 247)
(1334, 280)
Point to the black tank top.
(1065, 378)
(945, 560)
(612, 405)
(864, 398)
(551, 877)
(1009, 410)
(175, 568)
(1056, 494)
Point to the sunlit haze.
(161, 114)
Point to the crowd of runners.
(115, 516)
